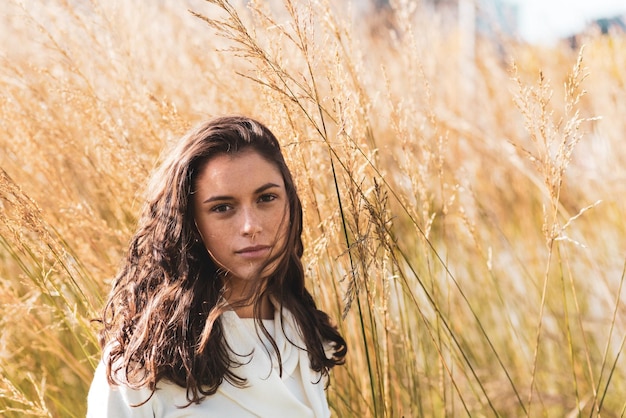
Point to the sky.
(544, 21)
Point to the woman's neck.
(242, 295)
(247, 311)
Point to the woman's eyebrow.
(215, 198)
(265, 187)
(261, 189)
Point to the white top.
(299, 393)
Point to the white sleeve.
(110, 401)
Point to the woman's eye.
(220, 208)
(267, 197)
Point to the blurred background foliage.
(463, 191)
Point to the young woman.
(209, 315)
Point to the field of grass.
(465, 214)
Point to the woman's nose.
(251, 223)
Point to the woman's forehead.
(245, 169)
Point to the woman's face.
(241, 211)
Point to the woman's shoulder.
(117, 399)
(120, 400)
(107, 400)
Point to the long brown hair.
(161, 320)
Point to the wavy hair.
(161, 320)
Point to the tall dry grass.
(465, 218)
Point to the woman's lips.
(256, 251)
